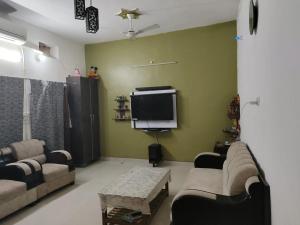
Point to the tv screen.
(152, 107)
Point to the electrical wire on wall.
(156, 136)
(155, 132)
(256, 102)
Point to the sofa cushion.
(40, 158)
(5, 151)
(236, 171)
(52, 171)
(203, 179)
(235, 148)
(28, 149)
(10, 189)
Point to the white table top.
(135, 189)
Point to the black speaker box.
(155, 154)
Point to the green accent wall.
(205, 77)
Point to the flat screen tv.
(152, 107)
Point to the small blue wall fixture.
(238, 37)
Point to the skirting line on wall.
(154, 64)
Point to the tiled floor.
(79, 204)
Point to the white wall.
(71, 56)
(269, 67)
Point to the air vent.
(47, 50)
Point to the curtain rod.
(154, 64)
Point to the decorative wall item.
(253, 16)
(92, 19)
(79, 8)
(122, 110)
(77, 72)
(47, 112)
(11, 110)
(91, 14)
(234, 115)
(151, 63)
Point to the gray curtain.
(11, 110)
(47, 109)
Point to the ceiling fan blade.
(152, 27)
(129, 34)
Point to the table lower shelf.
(114, 216)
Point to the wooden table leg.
(104, 217)
(167, 188)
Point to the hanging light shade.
(92, 19)
(79, 8)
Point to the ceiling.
(58, 16)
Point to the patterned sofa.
(223, 190)
(28, 172)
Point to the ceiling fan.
(131, 15)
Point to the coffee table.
(141, 189)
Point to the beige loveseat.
(223, 190)
(29, 172)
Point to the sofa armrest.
(196, 193)
(37, 172)
(19, 172)
(6, 156)
(59, 157)
(209, 160)
(209, 208)
(35, 165)
(248, 208)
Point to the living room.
(136, 112)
